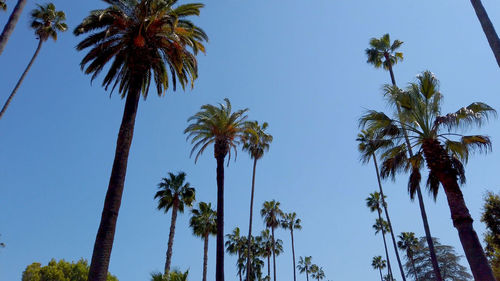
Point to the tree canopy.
(60, 271)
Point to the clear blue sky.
(300, 66)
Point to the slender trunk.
(11, 23)
(269, 265)
(274, 254)
(293, 256)
(488, 28)
(307, 274)
(423, 213)
(239, 267)
(168, 260)
(384, 204)
(410, 256)
(13, 93)
(251, 218)
(205, 257)
(380, 271)
(439, 162)
(105, 235)
(219, 266)
(389, 269)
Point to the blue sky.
(298, 65)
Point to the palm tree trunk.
(293, 256)
(168, 259)
(388, 219)
(269, 265)
(380, 271)
(251, 217)
(219, 266)
(439, 162)
(205, 257)
(11, 24)
(13, 93)
(389, 269)
(239, 267)
(423, 213)
(274, 254)
(488, 28)
(106, 233)
(307, 274)
(410, 256)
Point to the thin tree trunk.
(389, 269)
(269, 265)
(11, 23)
(251, 219)
(205, 257)
(380, 271)
(219, 266)
(293, 255)
(168, 259)
(105, 235)
(13, 93)
(423, 213)
(410, 256)
(488, 28)
(307, 273)
(384, 204)
(439, 162)
(274, 254)
(239, 267)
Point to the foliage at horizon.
(60, 271)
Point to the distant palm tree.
(175, 193)
(220, 126)
(46, 22)
(3, 6)
(235, 245)
(256, 141)
(204, 223)
(305, 266)
(374, 203)
(383, 52)
(11, 23)
(317, 272)
(268, 249)
(145, 40)
(271, 213)
(408, 243)
(488, 28)
(379, 263)
(174, 275)
(291, 222)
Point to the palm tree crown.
(271, 213)
(378, 262)
(374, 202)
(383, 53)
(203, 220)
(46, 21)
(407, 241)
(290, 221)
(255, 139)
(304, 264)
(174, 189)
(3, 6)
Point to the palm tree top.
(378, 262)
(374, 201)
(3, 6)
(174, 189)
(46, 21)
(381, 49)
(290, 221)
(369, 144)
(255, 139)
(407, 241)
(203, 220)
(304, 264)
(381, 225)
(216, 124)
(271, 213)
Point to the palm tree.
(488, 28)
(11, 23)
(368, 146)
(384, 53)
(271, 214)
(432, 137)
(46, 22)
(408, 243)
(174, 275)
(257, 250)
(256, 141)
(268, 249)
(382, 226)
(3, 6)
(374, 203)
(291, 222)
(144, 38)
(305, 265)
(204, 223)
(379, 263)
(317, 272)
(235, 245)
(219, 126)
(174, 193)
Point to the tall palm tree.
(383, 52)
(317, 272)
(270, 247)
(433, 137)
(220, 126)
(174, 193)
(271, 213)
(235, 245)
(11, 23)
(374, 203)
(488, 28)
(291, 222)
(408, 243)
(368, 146)
(304, 265)
(204, 223)
(382, 226)
(256, 141)
(144, 39)
(257, 250)
(46, 22)
(380, 264)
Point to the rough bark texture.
(389, 269)
(251, 219)
(106, 233)
(439, 162)
(205, 257)
(168, 260)
(384, 204)
(13, 93)
(220, 151)
(274, 254)
(293, 256)
(488, 28)
(11, 23)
